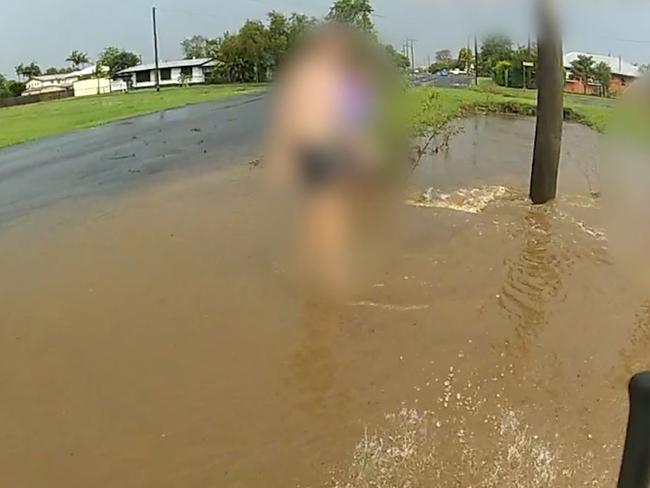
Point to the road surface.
(117, 156)
(449, 81)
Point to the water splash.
(470, 437)
(391, 307)
(468, 200)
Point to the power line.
(636, 41)
(189, 12)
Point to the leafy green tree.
(357, 13)
(277, 38)
(237, 62)
(282, 33)
(10, 88)
(502, 73)
(401, 61)
(520, 56)
(253, 43)
(4, 92)
(53, 70)
(582, 69)
(254, 52)
(465, 58)
(116, 59)
(15, 88)
(443, 57)
(299, 24)
(78, 59)
(602, 74)
(495, 48)
(199, 47)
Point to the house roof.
(183, 63)
(90, 70)
(617, 65)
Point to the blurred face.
(331, 46)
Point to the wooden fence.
(43, 97)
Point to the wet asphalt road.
(117, 156)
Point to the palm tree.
(20, 71)
(583, 69)
(78, 58)
(29, 71)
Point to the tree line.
(251, 54)
(498, 58)
(256, 50)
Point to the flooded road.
(157, 338)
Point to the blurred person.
(625, 175)
(325, 141)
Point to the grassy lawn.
(435, 107)
(427, 108)
(29, 122)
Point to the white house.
(171, 72)
(56, 83)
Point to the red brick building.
(623, 75)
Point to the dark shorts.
(322, 166)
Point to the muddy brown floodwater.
(158, 340)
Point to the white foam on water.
(468, 200)
(391, 307)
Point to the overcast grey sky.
(47, 30)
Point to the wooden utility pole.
(550, 106)
(155, 48)
(475, 59)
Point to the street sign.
(528, 64)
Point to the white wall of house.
(91, 87)
(39, 87)
(99, 86)
(64, 82)
(169, 76)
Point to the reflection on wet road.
(120, 155)
(158, 338)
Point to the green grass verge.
(29, 122)
(435, 107)
(428, 108)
